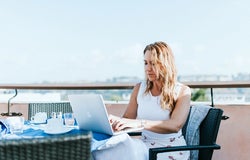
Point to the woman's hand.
(118, 123)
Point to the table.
(37, 131)
(35, 144)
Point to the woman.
(159, 104)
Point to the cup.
(39, 117)
(59, 115)
(69, 119)
(15, 124)
(53, 115)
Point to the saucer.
(37, 123)
(60, 130)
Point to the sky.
(80, 40)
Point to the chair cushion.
(197, 115)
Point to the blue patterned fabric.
(3, 127)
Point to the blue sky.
(61, 40)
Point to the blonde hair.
(163, 59)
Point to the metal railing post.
(11, 113)
(212, 97)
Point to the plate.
(57, 130)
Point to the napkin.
(98, 139)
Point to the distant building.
(200, 78)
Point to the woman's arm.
(131, 111)
(129, 116)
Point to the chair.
(63, 107)
(61, 147)
(209, 128)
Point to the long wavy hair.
(163, 58)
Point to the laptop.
(91, 114)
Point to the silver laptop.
(91, 114)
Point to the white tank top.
(149, 108)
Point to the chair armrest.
(135, 133)
(183, 148)
(154, 151)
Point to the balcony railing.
(109, 86)
(93, 86)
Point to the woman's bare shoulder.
(137, 87)
(185, 89)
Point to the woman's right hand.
(118, 123)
